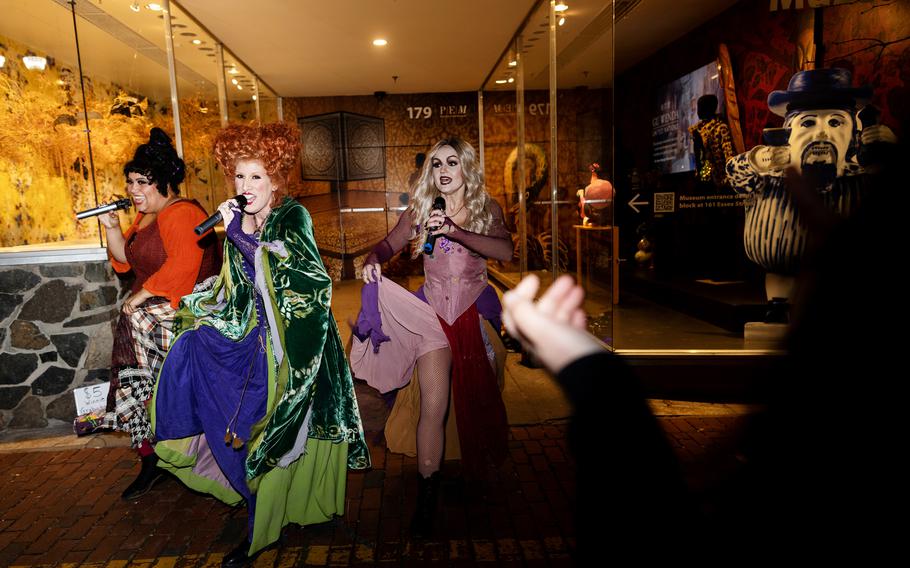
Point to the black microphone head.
(241, 200)
(439, 203)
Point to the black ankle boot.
(238, 558)
(148, 476)
(427, 495)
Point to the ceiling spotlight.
(501, 81)
(239, 87)
(134, 6)
(197, 42)
(255, 97)
(33, 62)
(562, 20)
(234, 81)
(513, 63)
(511, 79)
(153, 7)
(561, 7)
(380, 42)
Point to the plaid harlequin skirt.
(141, 341)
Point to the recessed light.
(33, 62)
(197, 42)
(239, 87)
(513, 63)
(562, 20)
(234, 81)
(135, 7)
(153, 7)
(2, 61)
(380, 42)
(255, 97)
(233, 71)
(511, 79)
(561, 7)
(501, 81)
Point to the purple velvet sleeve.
(245, 243)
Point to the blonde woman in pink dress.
(439, 328)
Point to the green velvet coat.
(307, 372)
(312, 368)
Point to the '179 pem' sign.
(443, 111)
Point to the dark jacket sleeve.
(626, 469)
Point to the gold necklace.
(450, 215)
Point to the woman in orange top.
(168, 259)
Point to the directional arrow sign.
(633, 203)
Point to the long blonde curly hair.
(477, 200)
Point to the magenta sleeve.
(396, 240)
(495, 244)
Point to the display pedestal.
(761, 335)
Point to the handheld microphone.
(440, 204)
(113, 206)
(216, 217)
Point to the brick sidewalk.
(62, 509)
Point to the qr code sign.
(664, 202)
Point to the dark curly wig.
(276, 145)
(157, 160)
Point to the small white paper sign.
(91, 398)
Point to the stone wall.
(55, 335)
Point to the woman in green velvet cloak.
(255, 401)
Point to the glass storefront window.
(542, 235)
(240, 89)
(196, 55)
(503, 171)
(686, 283)
(124, 90)
(557, 125)
(587, 239)
(268, 104)
(69, 132)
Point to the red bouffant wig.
(276, 145)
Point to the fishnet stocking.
(433, 371)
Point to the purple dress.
(194, 404)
